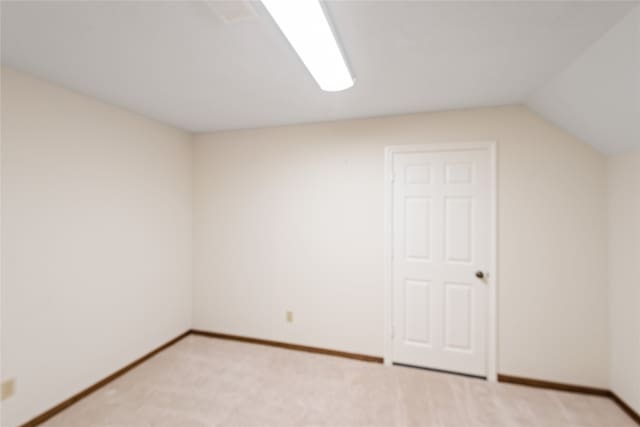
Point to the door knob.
(479, 274)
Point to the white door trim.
(492, 278)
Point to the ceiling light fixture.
(307, 28)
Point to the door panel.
(458, 218)
(441, 228)
(457, 317)
(417, 300)
(417, 230)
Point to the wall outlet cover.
(8, 388)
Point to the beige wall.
(96, 243)
(291, 218)
(96, 240)
(624, 276)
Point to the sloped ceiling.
(183, 64)
(597, 97)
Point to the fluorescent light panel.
(305, 25)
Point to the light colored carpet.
(209, 382)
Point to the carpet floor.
(205, 382)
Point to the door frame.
(492, 282)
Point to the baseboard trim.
(289, 346)
(553, 385)
(572, 388)
(84, 393)
(626, 408)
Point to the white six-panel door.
(441, 225)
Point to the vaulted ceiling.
(597, 96)
(183, 63)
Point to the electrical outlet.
(289, 316)
(8, 388)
